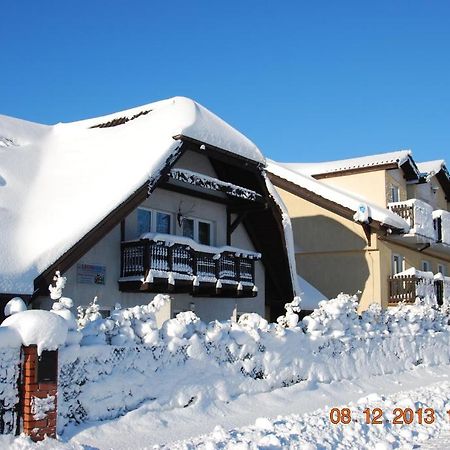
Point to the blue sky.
(307, 81)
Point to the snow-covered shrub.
(9, 374)
(187, 361)
(130, 326)
(291, 318)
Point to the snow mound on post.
(15, 305)
(37, 327)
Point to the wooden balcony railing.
(404, 211)
(402, 289)
(405, 289)
(186, 264)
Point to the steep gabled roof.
(336, 199)
(58, 182)
(401, 159)
(428, 167)
(439, 169)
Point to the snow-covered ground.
(291, 417)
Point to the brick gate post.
(39, 389)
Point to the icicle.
(171, 279)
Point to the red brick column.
(38, 422)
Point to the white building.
(166, 197)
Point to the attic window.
(120, 120)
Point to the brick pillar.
(38, 394)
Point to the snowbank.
(36, 327)
(315, 430)
(188, 361)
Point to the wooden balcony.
(406, 289)
(404, 211)
(161, 265)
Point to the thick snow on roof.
(338, 196)
(431, 166)
(309, 294)
(57, 182)
(398, 157)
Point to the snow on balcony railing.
(413, 284)
(172, 257)
(442, 225)
(418, 214)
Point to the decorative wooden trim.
(215, 185)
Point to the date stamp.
(376, 416)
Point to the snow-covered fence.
(9, 398)
(188, 361)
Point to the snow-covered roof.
(428, 167)
(338, 196)
(398, 157)
(58, 182)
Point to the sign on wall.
(91, 274)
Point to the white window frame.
(426, 266)
(394, 198)
(401, 260)
(196, 228)
(154, 212)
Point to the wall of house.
(371, 185)
(332, 252)
(107, 253)
(395, 177)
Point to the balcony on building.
(412, 285)
(428, 228)
(167, 263)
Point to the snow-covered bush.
(130, 326)
(187, 361)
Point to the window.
(394, 195)
(398, 264)
(162, 222)
(188, 228)
(152, 221)
(198, 230)
(144, 221)
(204, 233)
(426, 266)
(442, 268)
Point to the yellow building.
(377, 225)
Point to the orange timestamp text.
(375, 416)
